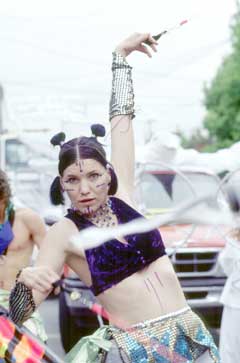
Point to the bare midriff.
(147, 294)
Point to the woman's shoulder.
(63, 226)
(125, 199)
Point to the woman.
(132, 277)
(229, 259)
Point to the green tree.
(222, 97)
(198, 140)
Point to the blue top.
(6, 236)
(6, 232)
(113, 261)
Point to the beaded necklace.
(104, 216)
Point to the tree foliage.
(222, 97)
(198, 140)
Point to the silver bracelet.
(122, 97)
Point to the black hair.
(85, 148)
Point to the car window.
(168, 190)
(17, 153)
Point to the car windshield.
(166, 190)
(20, 156)
(17, 153)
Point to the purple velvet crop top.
(113, 261)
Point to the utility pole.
(1, 109)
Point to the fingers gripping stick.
(158, 36)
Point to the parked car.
(30, 173)
(193, 250)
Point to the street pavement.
(49, 313)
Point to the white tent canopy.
(165, 147)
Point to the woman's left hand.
(136, 42)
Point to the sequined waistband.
(160, 318)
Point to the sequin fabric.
(122, 96)
(180, 337)
(113, 261)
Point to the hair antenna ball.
(58, 139)
(98, 130)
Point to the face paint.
(79, 161)
(155, 292)
(146, 284)
(158, 278)
(81, 166)
(101, 185)
(88, 187)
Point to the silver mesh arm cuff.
(122, 97)
(21, 303)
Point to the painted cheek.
(72, 193)
(69, 189)
(102, 183)
(101, 188)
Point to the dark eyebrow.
(71, 176)
(93, 172)
(76, 176)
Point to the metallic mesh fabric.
(122, 97)
(21, 303)
(180, 337)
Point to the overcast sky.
(56, 56)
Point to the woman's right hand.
(137, 42)
(40, 278)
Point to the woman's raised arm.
(122, 110)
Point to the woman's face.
(86, 183)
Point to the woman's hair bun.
(58, 139)
(98, 130)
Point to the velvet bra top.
(113, 261)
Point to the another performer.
(229, 259)
(131, 276)
(20, 230)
